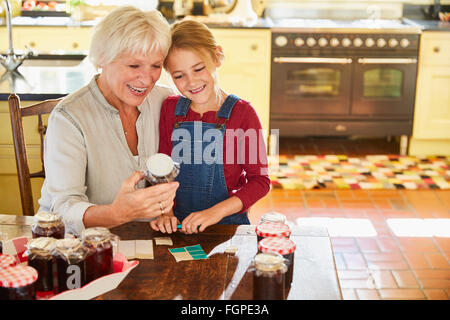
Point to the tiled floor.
(388, 244)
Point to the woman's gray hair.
(128, 29)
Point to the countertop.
(429, 25)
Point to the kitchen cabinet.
(431, 131)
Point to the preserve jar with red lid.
(40, 257)
(47, 224)
(7, 261)
(18, 283)
(269, 272)
(272, 229)
(284, 246)
(99, 261)
(70, 255)
(273, 217)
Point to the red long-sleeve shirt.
(246, 177)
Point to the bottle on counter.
(269, 276)
(272, 229)
(40, 257)
(47, 224)
(273, 217)
(99, 261)
(18, 283)
(70, 255)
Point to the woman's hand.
(166, 223)
(131, 203)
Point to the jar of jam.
(272, 229)
(269, 277)
(70, 255)
(18, 283)
(47, 224)
(40, 258)
(7, 261)
(99, 261)
(273, 217)
(284, 246)
(161, 169)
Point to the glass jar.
(18, 283)
(269, 277)
(272, 229)
(99, 261)
(7, 261)
(40, 257)
(47, 224)
(161, 169)
(284, 246)
(273, 217)
(70, 256)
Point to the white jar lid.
(160, 164)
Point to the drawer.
(435, 48)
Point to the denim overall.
(201, 178)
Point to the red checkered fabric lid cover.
(17, 276)
(273, 229)
(279, 245)
(6, 261)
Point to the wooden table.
(222, 275)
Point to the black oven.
(325, 84)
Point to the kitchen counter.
(40, 82)
(429, 25)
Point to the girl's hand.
(166, 223)
(200, 220)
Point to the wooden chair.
(23, 171)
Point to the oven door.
(384, 86)
(305, 86)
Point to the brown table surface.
(222, 275)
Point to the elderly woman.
(100, 136)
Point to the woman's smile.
(137, 90)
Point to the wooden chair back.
(23, 170)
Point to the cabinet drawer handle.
(254, 47)
(75, 45)
(341, 128)
(436, 49)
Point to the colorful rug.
(369, 172)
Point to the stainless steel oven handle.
(311, 60)
(387, 60)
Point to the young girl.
(215, 136)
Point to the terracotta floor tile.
(435, 283)
(368, 244)
(383, 279)
(368, 294)
(437, 260)
(353, 274)
(433, 274)
(405, 279)
(354, 261)
(401, 294)
(382, 204)
(349, 294)
(389, 257)
(410, 244)
(417, 260)
(436, 294)
(443, 243)
(387, 244)
(357, 283)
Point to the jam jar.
(269, 271)
(70, 255)
(273, 217)
(18, 283)
(161, 169)
(7, 261)
(40, 257)
(284, 246)
(272, 229)
(47, 224)
(99, 261)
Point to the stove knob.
(323, 42)
(404, 42)
(346, 42)
(370, 42)
(311, 42)
(334, 42)
(357, 42)
(281, 41)
(381, 43)
(299, 42)
(393, 43)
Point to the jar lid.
(160, 164)
(68, 244)
(7, 261)
(71, 249)
(273, 229)
(281, 245)
(17, 276)
(96, 235)
(44, 216)
(269, 261)
(41, 245)
(273, 217)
